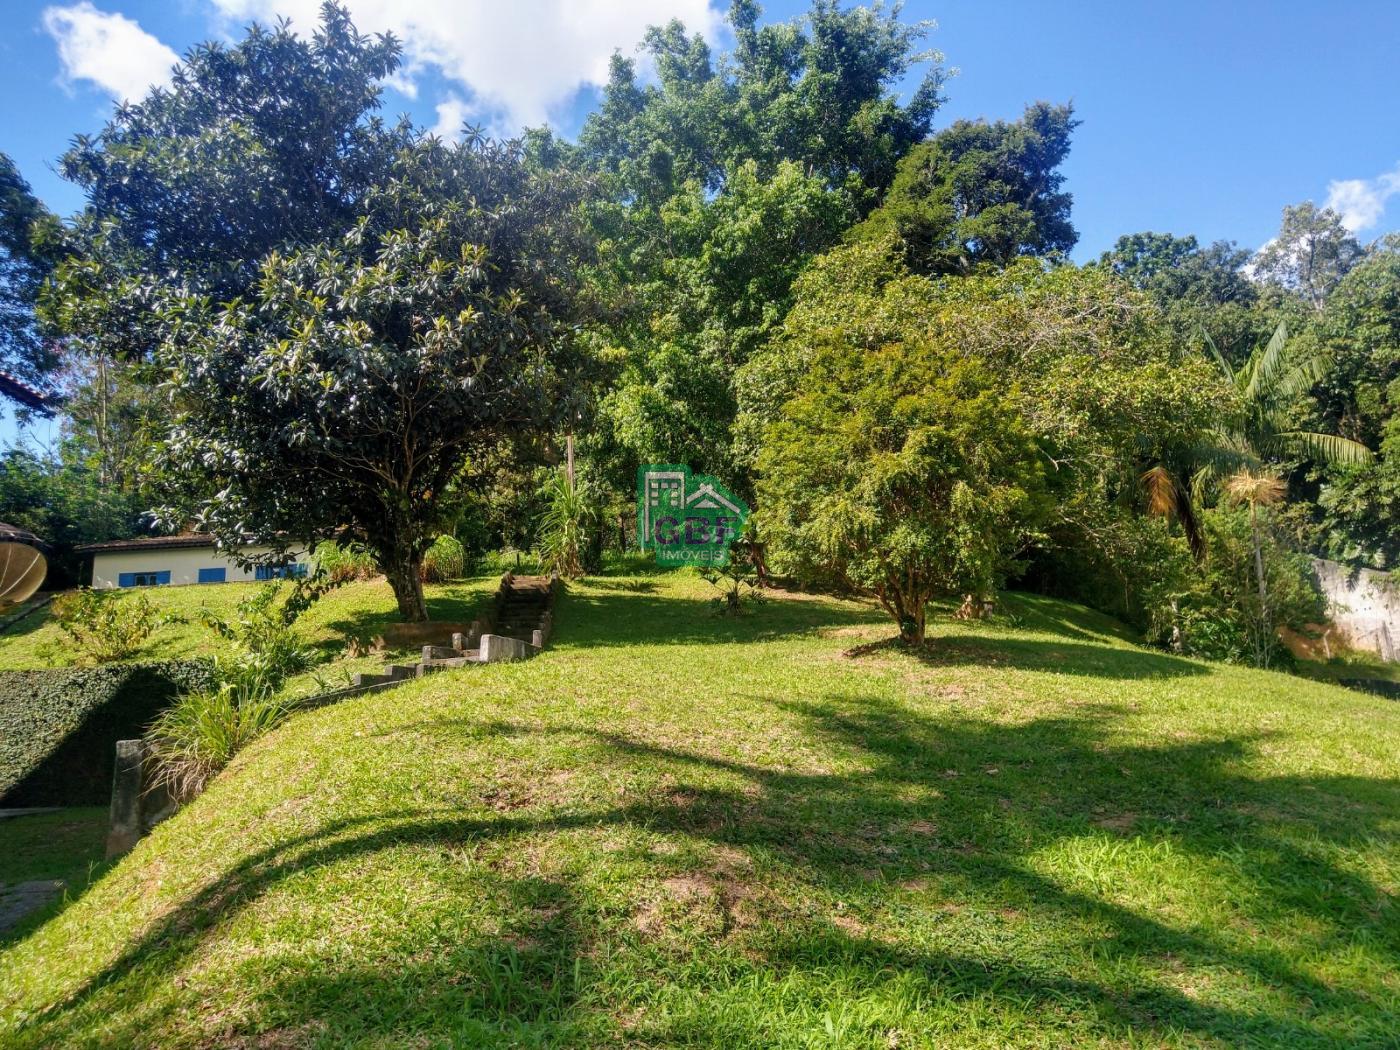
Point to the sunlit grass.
(676, 828)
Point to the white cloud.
(520, 62)
(451, 115)
(1361, 202)
(110, 50)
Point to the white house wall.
(183, 564)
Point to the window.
(213, 575)
(143, 579)
(286, 570)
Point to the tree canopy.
(981, 192)
(346, 393)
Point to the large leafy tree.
(981, 192)
(819, 90)
(268, 143)
(903, 471)
(718, 292)
(30, 241)
(1098, 380)
(1200, 289)
(347, 392)
(717, 184)
(1311, 254)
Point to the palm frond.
(1255, 488)
(1219, 357)
(1330, 449)
(1168, 497)
(1266, 366)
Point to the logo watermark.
(687, 519)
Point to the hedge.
(59, 727)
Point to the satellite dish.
(22, 565)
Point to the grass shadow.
(934, 809)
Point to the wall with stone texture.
(1365, 606)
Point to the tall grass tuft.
(445, 560)
(201, 732)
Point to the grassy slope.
(678, 829)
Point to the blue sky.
(1198, 117)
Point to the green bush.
(445, 560)
(265, 649)
(59, 726)
(196, 736)
(569, 521)
(199, 734)
(342, 563)
(107, 625)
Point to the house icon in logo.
(688, 519)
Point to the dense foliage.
(370, 369)
(902, 471)
(106, 625)
(59, 726)
(980, 193)
(30, 242)
(282, 318)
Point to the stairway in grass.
(517, 628)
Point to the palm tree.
(1255, 490)
(1270, 386)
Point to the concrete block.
(128, 776)
(498, 648)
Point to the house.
(157, 561)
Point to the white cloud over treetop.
(520, 62)
(109, 50)
(1361, 202)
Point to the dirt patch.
(1117, 822)
(850, 925)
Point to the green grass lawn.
(678, 829)
(67, 845)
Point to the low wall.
(1365, 606)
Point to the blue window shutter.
(163, 576)
(126, 579)
(213, 575)
(262, 572)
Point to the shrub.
(343, 563)
(445, 560)
(903, 472)
(59, 726)
(107, 625)
(566, 525)
(199, 734)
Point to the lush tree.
(819, 90)
(981, 193)
(903, 471)
(30, 242)
(1311, 254)
(348, 392)
(717, 184)
(1098, 380)
(266, 143)
(1358, 396)
(717, 291)
(62, 500)
(1200, 290)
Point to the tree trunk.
(911, 618)
(406, 578)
